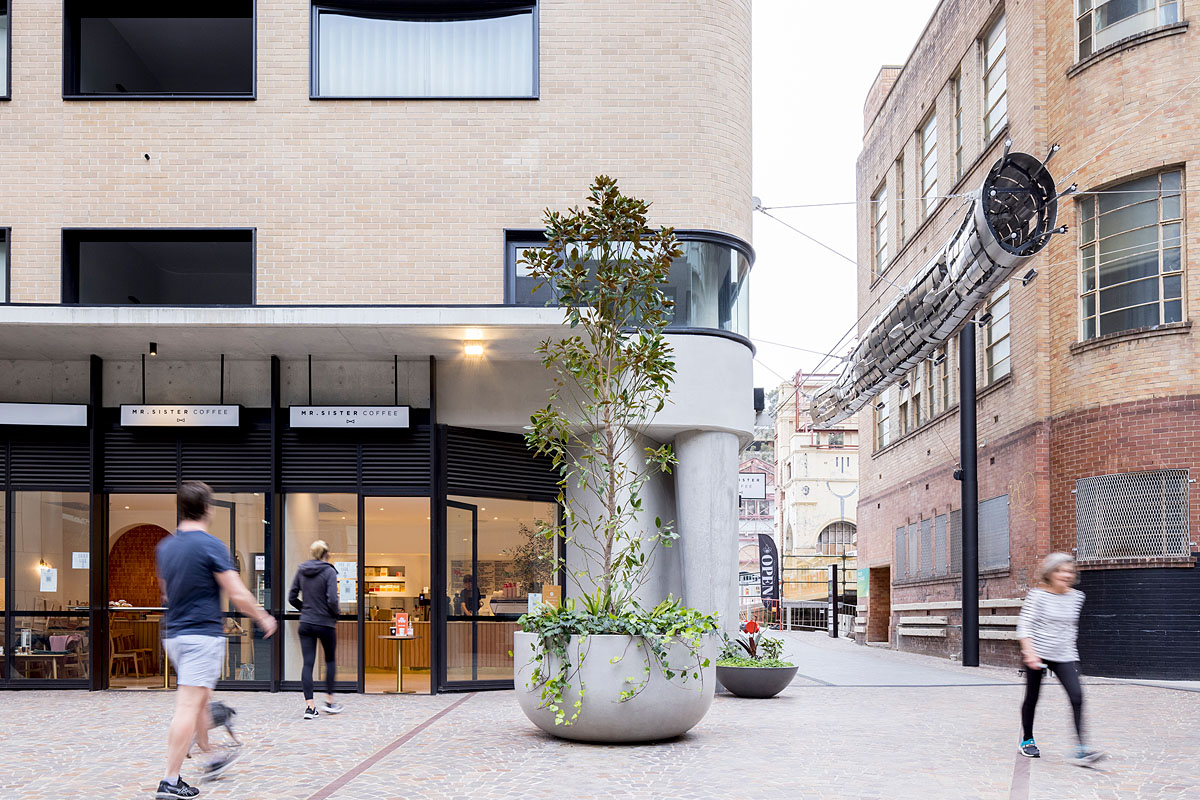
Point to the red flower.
(751, 626)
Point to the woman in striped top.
(1047, 629)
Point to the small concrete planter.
(759, 682)
(662, 710)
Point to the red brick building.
(1088, 373)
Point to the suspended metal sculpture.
(1010, 221)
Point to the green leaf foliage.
(753, 662)
(651, 632)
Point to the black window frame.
(6, 247)
(69, 293)
(71, 37)
(431, 10)
(7, 93)
(517, 239)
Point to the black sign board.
(768, 570)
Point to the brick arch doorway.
(131, 567)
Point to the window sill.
(420, 97)
(132, 96)
(994, 387)
(1160, 32)
(1138, 563)
(1112, 339)
(953, 577)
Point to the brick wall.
(1070, 409)
(1162, 433)
(387, 201)
(132, 575)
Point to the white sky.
(813, 64)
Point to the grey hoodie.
(317, 581)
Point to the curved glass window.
(400, 49)
(709, 282)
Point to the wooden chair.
(76, 663)
(126, 642)
(124, 658)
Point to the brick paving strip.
(1020, 779)
(379, 755)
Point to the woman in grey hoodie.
(314, 593)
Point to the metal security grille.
(993, 533)
(914, 565)
(956, 541)
(901, 553)
(927, 548)
(939, 538)
(1132, 515)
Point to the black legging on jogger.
(1068, 676)
(309, 634)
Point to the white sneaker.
(332, 708)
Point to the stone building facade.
(817, 478)
(1088, 406)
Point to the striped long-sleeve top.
(1051, 620)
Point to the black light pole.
(968, 474)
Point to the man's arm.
(231, 583)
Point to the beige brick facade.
(386, 201)
(1025, 444)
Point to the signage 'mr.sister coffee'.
(349, 416)
(179, 416)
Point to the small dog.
(222, 717)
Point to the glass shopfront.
(432, 531)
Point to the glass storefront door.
(396, 583)
(334, 519)
(495, 556)
(380, 549)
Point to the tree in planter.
(611, 375)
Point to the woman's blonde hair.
(319, 549)
(1053, 562)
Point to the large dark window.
(158, 267)
(462, 48)
(122, 48)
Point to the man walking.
(194, 567)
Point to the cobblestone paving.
(815, 740)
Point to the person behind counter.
(314, 593)
(466, 603)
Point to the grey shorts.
(197, 659)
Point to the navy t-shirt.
(186, 563)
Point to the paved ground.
(860, 723)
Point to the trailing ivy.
(651, 632)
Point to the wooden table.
(53, 657)
(400, 640)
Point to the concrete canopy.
(348, 333)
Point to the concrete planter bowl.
(758, 682)
(662, 710)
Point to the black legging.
(309, 634)
(1068, 676)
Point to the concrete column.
(707, 519)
